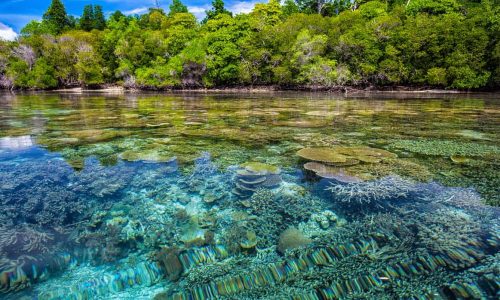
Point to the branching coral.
(391, 187)
(446, 229)
(203, 166)
(25, 240)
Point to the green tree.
(266, 14)
(88, 66)
(432, 6)
(289, 8)
(87, 19)
(217, 9)
(117, 16)
(36, 28)
(308, 59)
(56, 17)
(177, 7)
(99, 22)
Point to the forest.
(327, 44)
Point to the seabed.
(282, 196)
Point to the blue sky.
(14, 14)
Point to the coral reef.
(445, 230)
(342, 156)
(325, 155)
(25, 239)
(371, 192)
(169, 258)
(203, 166)
(445, 148)
(292, 238)
(233, 217)
(254, 175)
(331, 172)
(350, 164)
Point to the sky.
(14, 14)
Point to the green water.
(198, 192)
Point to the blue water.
(218, 227)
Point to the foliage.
(440, 43)
(92, 18)
(56, 17)
(217, 9)
(177, 7)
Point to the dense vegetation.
(327, 43)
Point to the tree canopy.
(56, 17)
(315, 43)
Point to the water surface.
(258, 196)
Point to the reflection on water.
(250, 197)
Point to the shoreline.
(117, 89)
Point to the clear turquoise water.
(258, 196)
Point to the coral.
(321, 224)
(26, 240)
(458, 159)
(250, 240)
(371, 192)
(345, 164)
(254, 175)
(445, 147)
(260, 168)
(325, 218)
(150, 155)
(203, 166)
(462, 198)
(232, 237)
(446, 229)
(292, 238)
(325, 155)
(472, 134)
(331, 172)
(345, 155)
(169, 259)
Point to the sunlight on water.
(271, 196)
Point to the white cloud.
(136, 11)
(199, 11)
(240, 7)
(7, 33)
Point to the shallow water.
(259, 196)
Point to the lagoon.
(249, 195)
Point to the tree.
(217, 9)
(117, 16)
(177, 7)
(92, 18)
(99, 22)
(267, 14)
(432, 6)
(311, 6)
(56, 17)
(445, 43)
(36, 28)
(308, 59)
(87, 19)
(289, 8)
